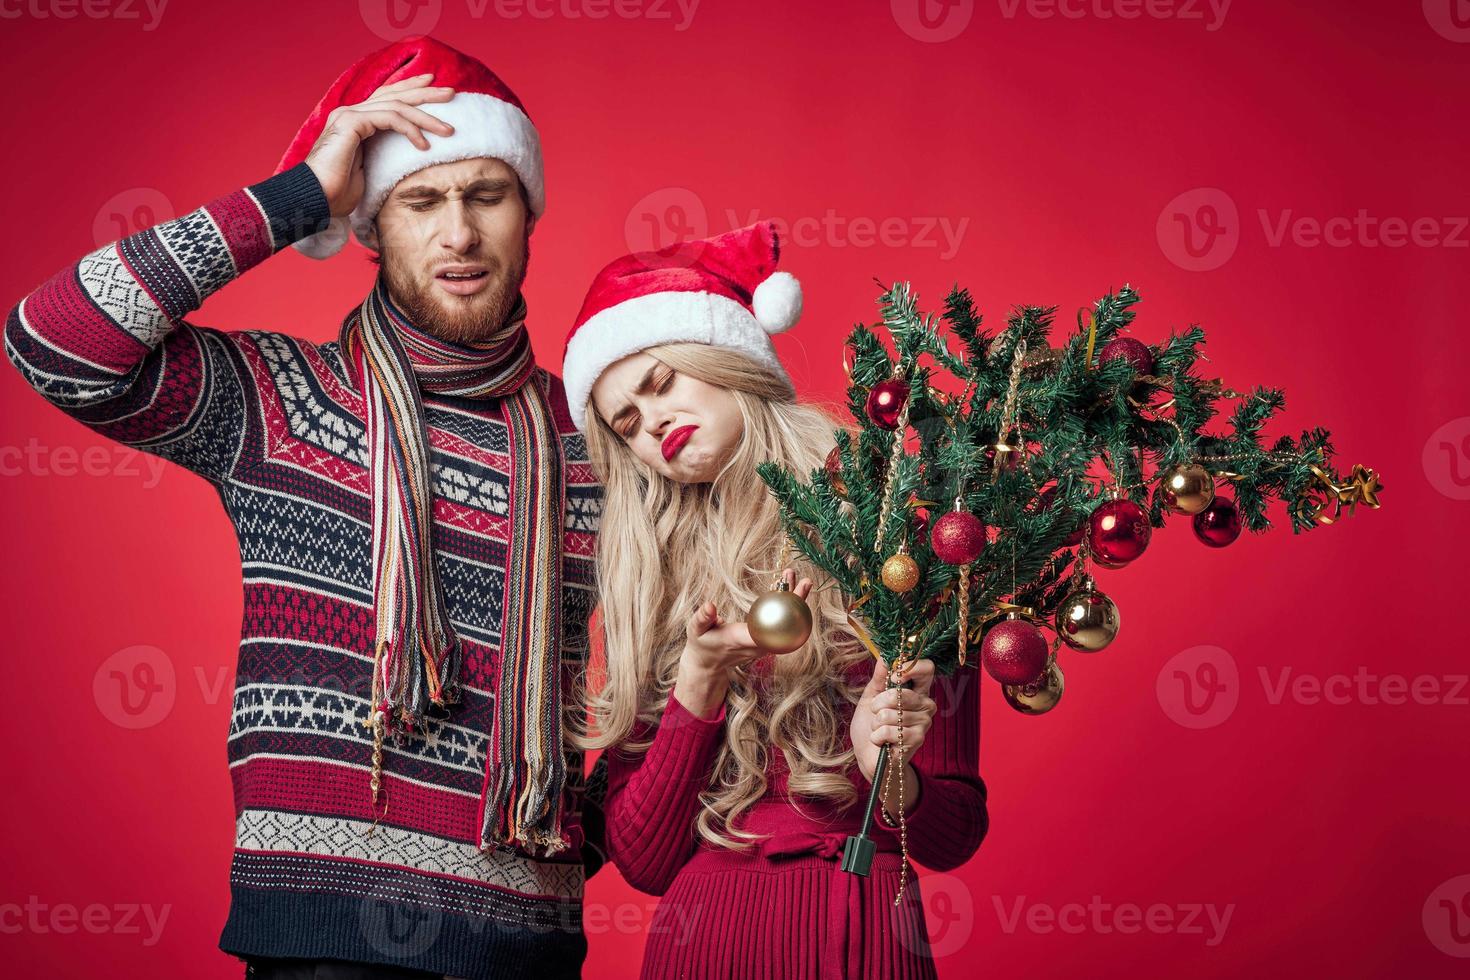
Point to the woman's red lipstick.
(674, 441)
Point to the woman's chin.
(679, 474)
(694, 470)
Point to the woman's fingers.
(907, 698)
(914, 718)
(740, 639)
(911, 739)
(920, 675)
(705, 618)
(804, 587)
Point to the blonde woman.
(734, 775)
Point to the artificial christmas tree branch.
(984, 511)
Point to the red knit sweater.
(276, 425)
(783, 909)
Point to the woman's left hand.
(875, 720)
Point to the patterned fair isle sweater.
(277, 427)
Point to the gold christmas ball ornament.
(1040, 696)
(1087, 620)
(900, 573)
(779, 621)
(1187, 488)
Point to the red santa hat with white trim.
(724, 291)
(488, 121)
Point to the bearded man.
(415, 515)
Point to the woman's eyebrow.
(644, 385)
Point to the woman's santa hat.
(488, 121)
(724, 291)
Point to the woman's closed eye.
(628, 427)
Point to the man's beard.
(458, 320)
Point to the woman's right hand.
(336, 156)
(714, 646)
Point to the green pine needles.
(1091, 426)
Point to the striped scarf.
(417, 656)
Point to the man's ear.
(531, 216)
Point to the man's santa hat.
(488, 121)
(724, 291)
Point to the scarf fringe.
(418, 658)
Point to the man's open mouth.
(465, 281)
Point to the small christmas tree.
(972, 516)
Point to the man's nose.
(458, 232)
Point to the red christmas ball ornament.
(1218, 524)
(958, 537)
(1120, 532)
(1014, 652)
(885, 402)
(1133, 351)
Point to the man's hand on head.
(336, 157)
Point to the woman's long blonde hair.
(665, 547)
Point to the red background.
(1333, 830)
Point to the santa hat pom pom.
(326, 243)
(776, 302)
